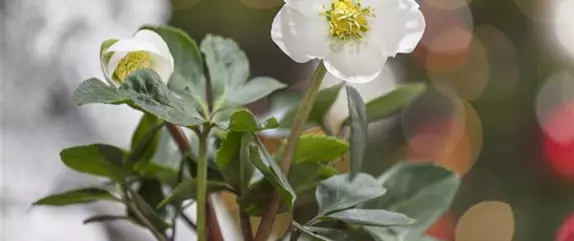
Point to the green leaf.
(188, 79)
(253, 90)
(391, 103)
(145, 140)
(338, 193)
(371, 217)
(271, 171)
(186, 190)
(96, 91)
(244, 121)
(233, 161)
(325, 99)
(422, 191)
(151, 190)
(228, 66)
(162, 173)
(319, 148)
(106, 218)
(306, 176)
(97, 159)
(147, 91)
(320, 233)
(359, 132)
(85, 195)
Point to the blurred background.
(499, 110)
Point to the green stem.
(307, 102)
(160, 236)
(201, 191)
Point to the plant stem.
(201, 191)
(307, 102)
(245, 223)
(184, 147)
(160, 236)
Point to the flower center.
(348, 20)
(133, 61)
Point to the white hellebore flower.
(146, 49)
(353, 37)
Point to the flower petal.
(309, 8)
(152, 37)
(131, 45)
(113, 64)
(355, 63)
(163, 66)
(300, 37)
(398, 26)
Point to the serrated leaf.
(186, 190)
(188, 79)
(319, 148)
(325, 99)
(147, 91)
(145, 140)
(338, 192)
(320, 233)
(244, 121)
(94, 90)
(422, 191)
(228, 66)
(359, 132)
(253, 90)
(371, 217)
(271, 171)
(97, 159)
(85, 195)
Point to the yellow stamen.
(132, 62)
(348, 20)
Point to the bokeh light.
(562, 21)
(555, 113)
(443, 228)
(491, 220)
(444, 131)
(566, 230)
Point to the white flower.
(353, 37)
(146, 49)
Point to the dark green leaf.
(359, 125)
(96, 91)
(145, 140)
(391, 103)
(106, 218)
(213, 174)
(151, 190)
(147, 91)
(253, 90)
(271, 171)
(325, 99)
(187, 190)
(232, 159)
(85, 195)
(338, 193)
(228, 66)
(421, 191)
(97, 159)
(319, 148)
(254, 200)
(188, 79)
(371, 217)
(244, 121)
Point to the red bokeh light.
(566, 231)
(559, 152)
(443, 228)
